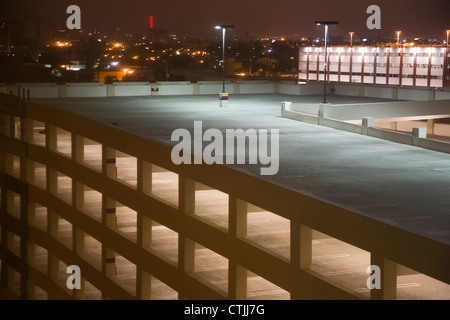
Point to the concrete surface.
(401, 185)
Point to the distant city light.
(114, 63)
(151, 22)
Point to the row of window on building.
(420, 66)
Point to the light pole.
(326, 24)
(223, 95)
(448, 31)
(351, 39)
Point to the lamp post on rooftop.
(326, 24)
(223, 96)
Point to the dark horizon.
(197, 17)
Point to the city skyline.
(415, 18)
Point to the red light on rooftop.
(151, 22)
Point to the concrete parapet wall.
(380, 92)
(434, 145)
(300, 117)
(124, 89)
(86, 90)
(214, 87)
(256, 88)
(387, 109)
(175, 88)
(340, 125)
(89, 89)
(415, 94)
(310, 108)
(442, 95)
(390, 135)
(347, 90)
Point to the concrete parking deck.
(109, 199)
(400, 185)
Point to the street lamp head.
(318, 23)
(224, 26)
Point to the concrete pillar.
(31, 253)
(186, 254)
(109, 212)
(237, 281)
(27, 130)
(52, 180)
(10, 203)
(79, 294)
(77, 148)
(144, 285)
(388, 285)
(144, 176)
(29, 175)
(301, 246)
(186, 247)
(237, 275)
(109, 162)
(53, 267)
(285, 106)
(6, 119)
(108, 262)
(146, 232)
(108, 255)
(186, 195)
(417, 134)
(31, 291)
(52, 224)
(78, 195)
(237, 217)
(8, 163)
(78, 240)
(430, 126)
(367, 122)
(322, 112)
(17, 128)
(51, 137)
(31, 213)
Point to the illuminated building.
(400, 66)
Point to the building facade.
(399, 66)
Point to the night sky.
(428, 18)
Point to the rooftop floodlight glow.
(217, 27)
